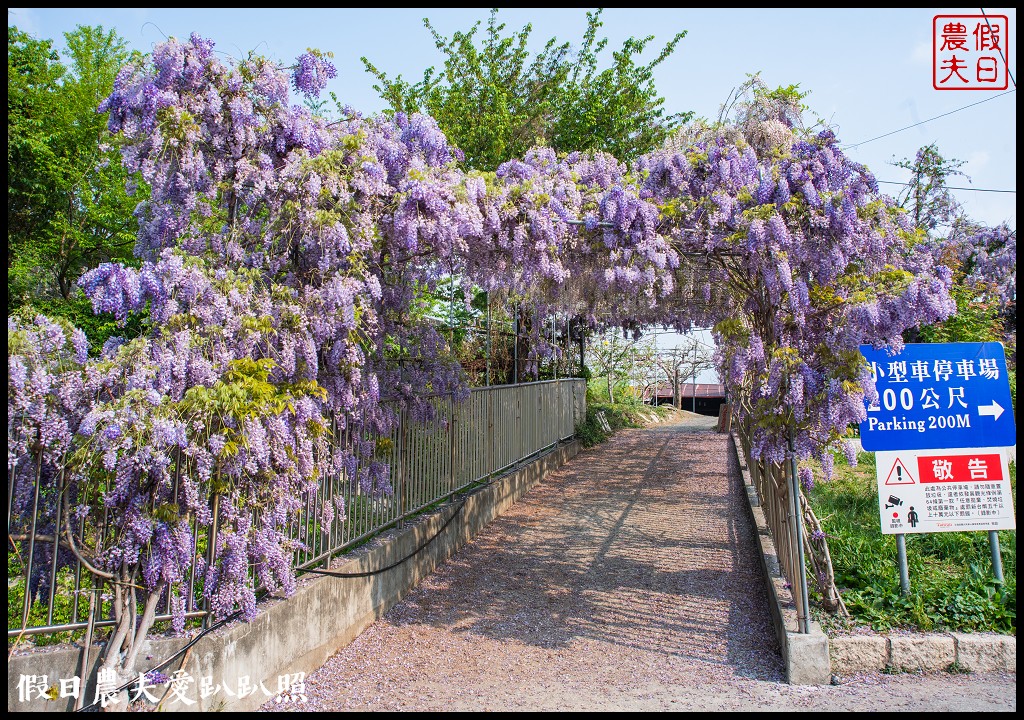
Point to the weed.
(619, 415)
(951, 583)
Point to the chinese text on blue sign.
(939, 395)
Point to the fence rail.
(775, 489)
(494, 430)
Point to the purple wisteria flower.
(281, 260)
(311, 73)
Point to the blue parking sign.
(939, 395)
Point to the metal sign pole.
(901, 557)
(945, 461)
(997, 561)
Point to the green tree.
(67, 204)
(976, 319)
(941, 221)
(932, 207)
(495, 102)
(616, 359)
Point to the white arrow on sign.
(995, 410)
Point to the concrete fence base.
(806, 655)
(924, 652)
(811, 659)
(296, 634)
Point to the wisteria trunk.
(821, 561)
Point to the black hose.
(92, 707)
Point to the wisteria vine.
(283, 258)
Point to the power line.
(865, 142)
(950, 187)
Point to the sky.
(869, 72)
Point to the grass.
(952, 587)
(63, 604)
(619, 415)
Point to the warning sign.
(899, 475)
(961, 489)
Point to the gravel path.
(627, 580)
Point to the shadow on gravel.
(643, 542)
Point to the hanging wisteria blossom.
(282, 259)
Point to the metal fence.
(775, 484)
(777, 490)
(494, 430)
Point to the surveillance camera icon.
(893, 502)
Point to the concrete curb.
(806, 656)
(924, 652)
(812, 659)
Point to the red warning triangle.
(899, 475)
